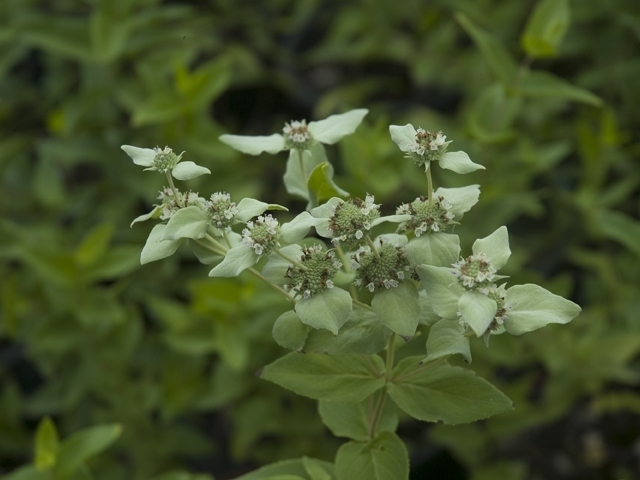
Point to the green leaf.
(289, 332)
(298, 228)
(235, 262)
(298, 171)
(532, 307)
(538, 84)
(495, 246)
(62, 35)
(328, 309)
(620, 227)
(459, 162)
(443, 290)
(444, 393)
(204, 255)
(29, 472)
(437, 249)
(352, 420)
(398, 308)
(95, 244)
(384, 458)
(333, 128)
(342, 378)
(249, 208)
(446, 337)
(500, 61)
(291, 468)
(316, 469)
(155, 248)
(83, 445)
(108, 34)
(46, 444)
(255, 145)
(322, 185)
(546, 28)
(477, 310)
(190, 222)
(188, 170)
(492, 114)
(362, 333)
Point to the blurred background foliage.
(152, 367)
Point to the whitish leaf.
(140, 156)
(532, 307)
(446, 337)
(190, 222)
(477, 310)
(249, 208)
(459, 162)
(341, 378)
(437, 249)
(398, 308)
(289, 332)
(461, 199)
(254, 145)
(235, 262)
(384, 458)
(495, 246)
(444, 393)
(299, 168)
(333, 128)
(188, 170)
(156, 248)
(403, 136)
(443, 290)
(328, 309)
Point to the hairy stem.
(429, 185)
(372, 246)
(173, 187)
(346, 266)
(290, 260)
(362, 305)
(382, 396)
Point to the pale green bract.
(151, 158)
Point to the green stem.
(372, 246)
(429, 185)
(346, 266)
(382, 397)
(362, 305)
(216, 243)
(173, 187)
(257, 274)
(290, 260)
(371, 367)
(210, 247)
(226, 238)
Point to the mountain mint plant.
(351, 292)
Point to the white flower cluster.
(342, 227)
(474, 271)
(426, 141)
(170, 204)
(296, 133)
(261, 235)
(221, 209)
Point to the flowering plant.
(350, 297)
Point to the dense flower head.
(262, 235)
(296, 135)
(351, 221)
(319, 268)
(165, 159)
(221, 209)
(427, 147)
(475, 271)
(426, 216)
(499, 295)
(381, 271)
(172, 203)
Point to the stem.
(377, 411)
(257, 274)
(216, 243)
(209, 247)
(346, 266)
(371, 367)
(372, 246)
(421, 368)
(173, 187)
(290, 260)
(226, 239)
(362, 305)
(429, 185)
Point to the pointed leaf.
(352, 420)
(403, 136)
(189, 222)
(398, 308)
(459, 162)
(249, 208)
(437, 249)
(444, 393)
(447, 337)
(255, 145)
(188, 170)
(546, 28)
(289, 332)
(341, 378)
(237, 260)
(299, 168)
(322, 185)
(83, 445)
(317, 469)
(155, 213)
(156, 248)
(47, 445)
(495, 246)
(297, 229)
(533, 307)
(443, 290)
(461, 199)
(333, 128)
(477, 310)
(328, 310)
(140, 156)
(384, 458)
(539, 84)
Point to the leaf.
(289, 332)
(461, 199)
(62, 35)
(444, 393)
(384, 458)
(404, 136)
(83, 445)
(292, 468)
(188, 170)
(538, 84)
(351, 420)
(459, 162)
(531, 307)
(249, 208)
(108, 34)
(495, 246)
(620, 227)
(237, 260)
(255, 145)
(299, 168)
(443, 290)
(398, 308)
(204, 255)
(28, 472)
(500, 61)
(95, 244)
(322, 185)
(316, 469)
(437, 249)
(446, 337)
(492, 114)
(362, 333)
(155, 248)
(333, 128)
(546, 28)
(342, 378)
(297, 229)
(189, 222)
(328, 309)
(46, 445)
(477, 310)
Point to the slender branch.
(290, 260)
(216, 243)
(372, 246)
(429, 185)
(377, 411)
(346, 266)
(362, 305)
(209, 247)
(226, 238)
(173, 187)
(257, 274)
(390, 354)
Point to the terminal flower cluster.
(383, 269)
(221, 210)
(427, 216)
(262, 235)
(315, 272)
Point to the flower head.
(172, 201)
(262, 235)
(221, 210)
(315, 274)
(164, 160)
(380, 271)
(427, 216)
